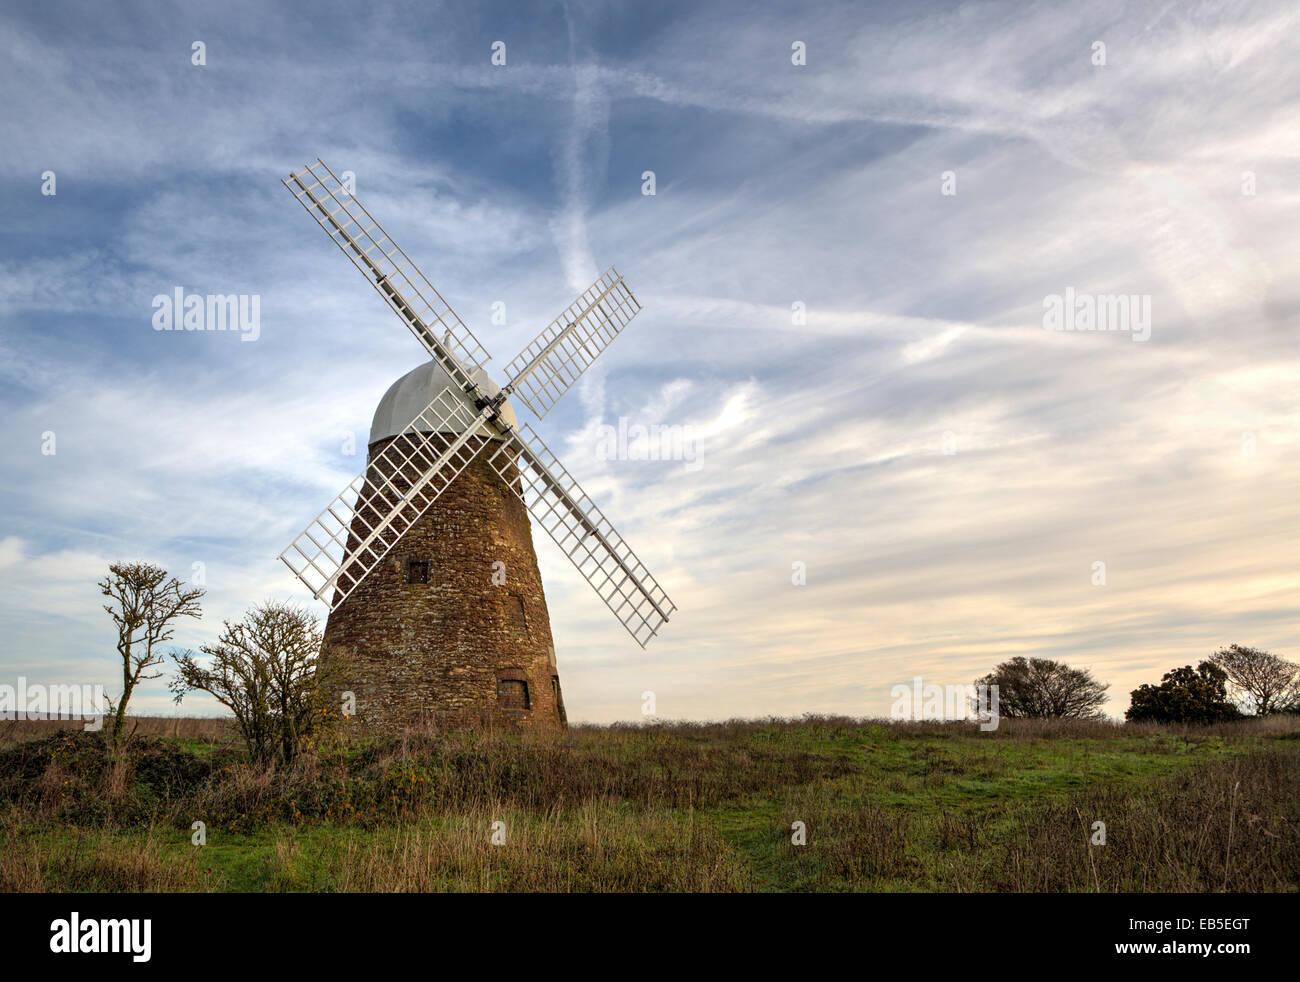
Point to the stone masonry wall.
(436, 651)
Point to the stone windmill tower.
(426, 558)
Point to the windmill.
(426, 557)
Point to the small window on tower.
(417, 572)
(512, 693)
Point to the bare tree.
(145, 605)
(1271, 684)
(263, 669)
(1041, 687)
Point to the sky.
(845, 269)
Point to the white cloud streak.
(821, 443)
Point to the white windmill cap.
(409, 395)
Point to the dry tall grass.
(1232, 825)
(217, 729)
(597, 847)
(91, 863)
(679, 807)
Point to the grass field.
(886, 807)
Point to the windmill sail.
(390, 271)
(552, 363)
(351, 537)
(585, 535)
(347, 540)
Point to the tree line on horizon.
(265, 670)
(1233, 683)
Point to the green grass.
(886, 808)
(922, 779)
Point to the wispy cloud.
(948, 471)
